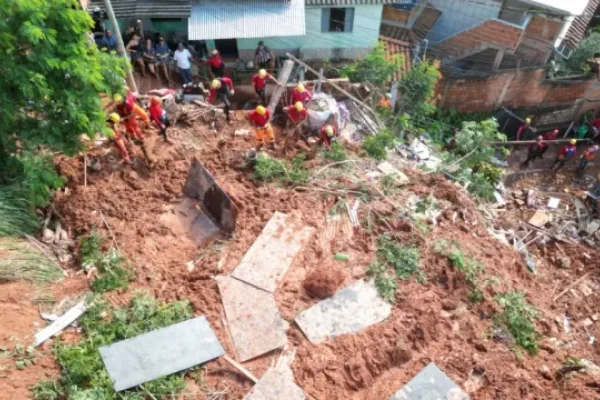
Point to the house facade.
(310, 29)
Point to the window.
(337, 20)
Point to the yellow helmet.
(329, 130)
(216, 84)
(261, 110)
(527, 120)
(262, 73)
(299, 106)
(114, 117)
(300, 88)
(118, 98)
(573, 141)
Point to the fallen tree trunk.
(283, 76)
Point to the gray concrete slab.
(349, 311)
(161, 352)
(273, 252)
(431, 384)
(275, 385)
(255, 324)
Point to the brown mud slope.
(429, 322)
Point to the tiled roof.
(147, 8)
(397, 33)
(580, 24)
(393, 47)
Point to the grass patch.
(376, 145)
(335, 152)
(471, 268)
(403, 259)
(16, 214)
(20, 261)
(113, 268)
(517, 317)
(268, 169)
(83, 374)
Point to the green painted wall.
(365, 33)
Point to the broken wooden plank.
(430, 383)
(273, 252)
(349, 311)
(61, 323)
(571, 286)
(254, 320)
(539, 219)
(240, 368)
(275, 385)
(282, 77)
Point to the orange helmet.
(155, 100)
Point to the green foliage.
(376, 67)
(336, 152)
(83, 374)
(471, 267)
(115, 273)
(20, 261)
(54, 75)
(405, 260)
(473, 140)
(268, 169)
(517, 317)
(586, 49)
(376, 145)
(417, 90)
(16, 215)
(490, 172)
(39, 178)
(384, 282)
(24, 357)
(446, 120)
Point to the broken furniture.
(161, 352)
(349, 311)
(431, 384)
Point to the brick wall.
(538, 40)
(491, 33)
(515, 89)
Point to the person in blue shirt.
(162, 57)
(109, 41)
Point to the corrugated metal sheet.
(349, 2)
(147, 8)
(236, 19)
(580, 24)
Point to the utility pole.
(120, 45)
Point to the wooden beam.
(319, 81)
(519, 142)
(283, 76)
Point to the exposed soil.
(429, 322)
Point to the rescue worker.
(328, 134)
(536, 150)
(126, 110)
(385, 102)
(548, 137)
(565, 154)
(588, 155)
(139, 111)
(117, 137)
(217, 66)
(299, 93)
(297, 114)
(159, 116)
(524, 129)
(259, 83)
(222, 88)
(260, 118)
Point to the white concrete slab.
(273, 252)
(349, 311)
(255, 324)
(275, 385)
(431, 384)
(161, 352)
(61, 323)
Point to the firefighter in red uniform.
(117, 137)
(565, 154)
(536, 150)
(297, 114)
(222, 88)
(328, 134)
(301, 94)
(259, 83)
(159, 116)
(264, 132)
(217, 66)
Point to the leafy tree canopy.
(51, 75)
(417, 89)
(376, 67)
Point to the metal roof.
(147, 8)
(570, 7)
(351, 2)
(236, 19)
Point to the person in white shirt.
(183, 57)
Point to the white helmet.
(250, 65)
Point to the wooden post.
(498, 60)
(120, 45)
(320, 81)
(282, 77)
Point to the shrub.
(517, 317)
(336, 152)
(376, 67)
(376, 145)
(268, 169)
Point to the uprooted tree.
(51, 75)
